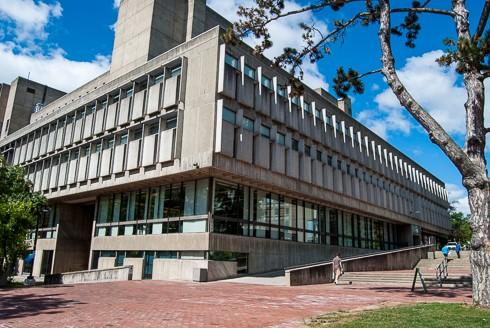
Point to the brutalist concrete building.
(190, 153)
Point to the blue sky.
(66, 43)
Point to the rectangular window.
(294, 144)
(295, 100)
(231, 61)
(176, 71)
(250, 72)
(281, 91)
(228, 201)
(319, 155)
(247, 124)
(318, 114)
(281, 138)
(308, 151)
(266, 82)
(339, 165)
(307, 107)
(171, 123)
(229, 116)
(329, 160)
(265, 131)
(159, 78)
(129, 92)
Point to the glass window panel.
(301, 209)
(281, 138)
(194, 226)
(250, 72)
(294, 144)
(153, 204)
(128, 230)
(171, 123)
(265, 131)
(166, 255)
(266, 82)
(275, 208)
(262, 206)
(161, 203)
(114, 231)
(202, 192)
(229, 116)
(228, 201)
(140, 205)
(232, 61)
(174, 201)
(248, 124)
(190, 191)
(156, 228)
(174, 227)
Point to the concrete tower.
(148, 28)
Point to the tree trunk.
(479, 199)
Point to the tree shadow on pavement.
(27, 305)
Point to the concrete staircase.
(459, 273)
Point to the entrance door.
(148, 270)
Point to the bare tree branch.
(436, 133)
(483, 21)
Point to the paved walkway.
(173, 304)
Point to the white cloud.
(436, 88)
(29, 17)
(458, 197)
(117, 3)
(54, 69)
(382, 121)
(284, 33)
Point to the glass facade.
(170, 208)
(241, 210)
(238, 210)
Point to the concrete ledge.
(321, 273)
(102, 275)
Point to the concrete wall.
(24, 95)
(74, 236)
(403, 259)
(137, 264)
(172, 269)
(269, 255)
(4, 96)
(42, 245)
(105, 275)
(106, 263)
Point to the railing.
(419, 274)
(441, 272)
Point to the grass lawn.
(432, 315)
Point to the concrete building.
(191, 154)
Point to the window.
(31, 91)
(231, 61)
(124, 139)
(307, 107)
(281, 91)
(295, 100)
(153, 129)
(329, 160)
(319, 155)
(266, 82)
(308, 151)
(171, 123)
(294, 144)
(339, 164)
(250, 72)
(129, 92)
(229, 116)
(228, 201)
(318, 114)
(265, 131)
(159, 78)
(248, 124)
(176, 71)
(281, 138)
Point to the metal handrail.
(441, 272)
(419, 274)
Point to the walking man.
(338, 269)
(458, 249)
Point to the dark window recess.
(31, 90)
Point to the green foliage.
(19, 207)
(344, 82)
(420, 315)
(460, 227)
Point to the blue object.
(29, 259)
(445, 250)
(458, 247)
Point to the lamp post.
(30, 279)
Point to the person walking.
(337, 267)
(458, 249)
(445, 252)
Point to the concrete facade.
(192, 151)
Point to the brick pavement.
(174, 304)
